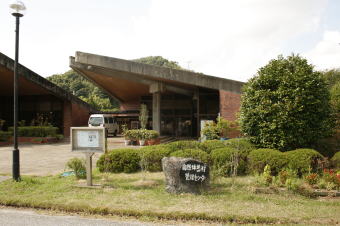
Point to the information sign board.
(87, 139)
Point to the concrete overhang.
(31, 83)
(126, 80)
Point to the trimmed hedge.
(303, 160)
(336, 160)
(259, 158)
(151, 157)
(120, 160)
(210, 145)
(4, 135)
(241, 144)
(36, 131)
(222, 161)
(300, 160)
(183, 144)
(192, 153)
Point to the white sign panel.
(88, 139)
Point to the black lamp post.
(18, 8)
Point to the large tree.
(159, 61)
(85, 90)
(286, 105)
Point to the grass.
(143, 195)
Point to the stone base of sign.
(175, 178)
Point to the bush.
(241, 144)
(223, 160)
(151, 157)
(183, 144)
(286, 106)
(192, 153)
(210, 145)
(140, 134)
(259, 158)
(36, 131)
(119, 160)
(78, 166)
(4, 136)
(303, 160)
(336, 160)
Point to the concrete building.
(39, 96)
(177, 99)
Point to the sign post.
(88, 140)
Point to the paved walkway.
(46, 159)
(18, 217)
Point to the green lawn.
(143, 194)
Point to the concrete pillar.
(67, 118)
(156, 111)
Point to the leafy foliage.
(84, 89)
(143, 116)
(78, 166)
(303, 160)
(4, 135)
(159, 61)
(183, 144)
(151, 157)
(196, 154)
(259, 158)
(286, 106)
(119, 160)
(225, 159)
(36, 131)
(336, 160)
(210, 145)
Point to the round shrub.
(192, 153)
(210, 145)
(223, 159)
(303, 160)
(259, 158)
(241, 144)
(336, 160)
(182, 144)
(119, 160)
(286, 105)
(151, 157)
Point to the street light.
(18, 9)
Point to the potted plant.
(142, 136)
(127, 135)
(152, 136)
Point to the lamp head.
(17, 8)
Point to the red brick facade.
(229, 104)
(74, 115)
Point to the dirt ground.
(46, 159)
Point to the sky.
(224, 38)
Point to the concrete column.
(156, 111)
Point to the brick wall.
(229, 104)
(74, 115)
(80, 115)
(67, 118)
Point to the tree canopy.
(286, 105)
(93, 95)
(159, 61)
(85, 90)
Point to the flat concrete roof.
(125, 79)
(31, 83)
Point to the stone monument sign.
(185, 175)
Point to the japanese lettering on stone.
(194, 172)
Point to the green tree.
(85, 90)
(286, 105)
(159, 61)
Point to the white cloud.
(326, 54)
(224, 38)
